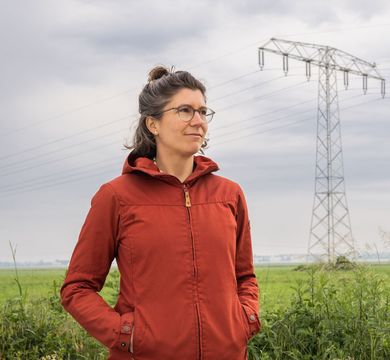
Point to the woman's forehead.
(188, 97)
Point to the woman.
(180, 236)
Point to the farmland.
(276, 283)
(309, 314)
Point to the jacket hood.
(202, 166)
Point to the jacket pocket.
(137, 335)
(251, 320)
(246, 325)
(125, 331)
(244, 321)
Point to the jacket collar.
(202, 166)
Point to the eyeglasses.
(187, 112)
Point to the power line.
(55, 117)
(63, 148)
(277, 110)
(114, 121)
(295, 122)
(89, 176)
(44, 181)
(10, 193)
(248, 88)
(99, 127)
(82, 107)
(39, 179)
(98, 137)
(24, 168)
(133, 115)
(56, 160)
(89, 140)
(264, 96)
(55, 184)
(239, 123)
(241, 77)
(57, 173)
(122, 118)
(65, 138)
(234, 79)
(61, 179)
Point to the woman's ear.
(151, 124)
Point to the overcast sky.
(71, 72)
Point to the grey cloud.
(364, 9)
(32, 57)
(312, 12)
(142, 28)
(74, 43)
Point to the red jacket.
(188, 290)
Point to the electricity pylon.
(330, 230)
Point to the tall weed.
(333, 315)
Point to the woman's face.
(175, 136)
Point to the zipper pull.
(187, 196)
(131, 340)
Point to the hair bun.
(158, 72)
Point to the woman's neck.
(178, 166)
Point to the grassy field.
(277, 283)
(314, 314)
(37, 282)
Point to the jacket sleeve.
(247, 288)
(88, 268)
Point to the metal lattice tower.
(330, 230)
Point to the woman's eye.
(203, 111)
(185, 110)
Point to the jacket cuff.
(253, 321)
(125, 332)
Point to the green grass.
(276, 283)
(331, 314)
(306, 315)
(37, 282)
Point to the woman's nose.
(197, 119)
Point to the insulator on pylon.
(261, 58)
(383, 87)
(365, 84)
(285, 64)
(308, 70)
(346, 80)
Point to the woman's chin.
(193, 149)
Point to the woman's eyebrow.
(201, 106)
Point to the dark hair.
(163, 84)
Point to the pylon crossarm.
(322, 56)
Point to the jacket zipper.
(195, 272)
